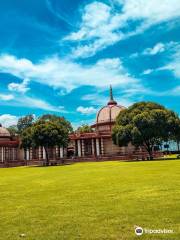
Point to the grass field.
(94, 201)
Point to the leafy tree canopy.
(144, 124)
(25, 122)
(48, 131)
(13, 130)
(85, 129)
(60, 120)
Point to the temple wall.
(104, 128)
(21, 154)
(111, 149)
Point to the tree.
(143, 124)
(27, 138)
(48, 131)
(57, 119)
(25, 122)
(13, 130)
(85, 129)
(175, 130)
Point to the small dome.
(110, 111)
(4, 132)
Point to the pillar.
(102, 146)
(31, 153)
(93, 150)
(39, 153)
(83, 150)
(97, 147)
(44, 153)
(2, 154)
(79, 148)
(13, 154)
(27, 154)
(61, 152)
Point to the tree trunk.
(47, 157)
(150, 152)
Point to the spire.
(111, 94)
(111, 100)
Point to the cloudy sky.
(60, 56)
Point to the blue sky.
(60, 56)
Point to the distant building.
(170, 146)
(92, 146)
(9, 148)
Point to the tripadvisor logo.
(138, 231)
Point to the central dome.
(4, 132)
(110, 111)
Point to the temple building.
(89, 146)
(99, 142)
(9, 148)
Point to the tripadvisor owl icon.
(138, 231)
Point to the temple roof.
(109, 112)
(4, 132)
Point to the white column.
(83, 152)
(97, 147)
(44, 153)
(102, 146)
(13, 154)
(39, 153)
(28, 154)
(23, 152)
(93, 150)
(61, 152)
(79, 148)
(2, 154)
(56, 152)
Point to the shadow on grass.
(127, 161)
(152, 160)
(43, 166)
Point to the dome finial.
(111, 93)
(111, 100)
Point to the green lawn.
(171, 156)
(102, 200)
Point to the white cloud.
(63, 73)
(102, 25)
(174, 64)
(38, 104)
(175, 91)
(152, 10)
(6, 97)
(174, 61)
(29, 102)
(147, 71)
(86, 110)
(35, 103)
(158, 48)
(125, 98)
(19, 87)
(95, 16)
(8, 120)
(66, 74)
